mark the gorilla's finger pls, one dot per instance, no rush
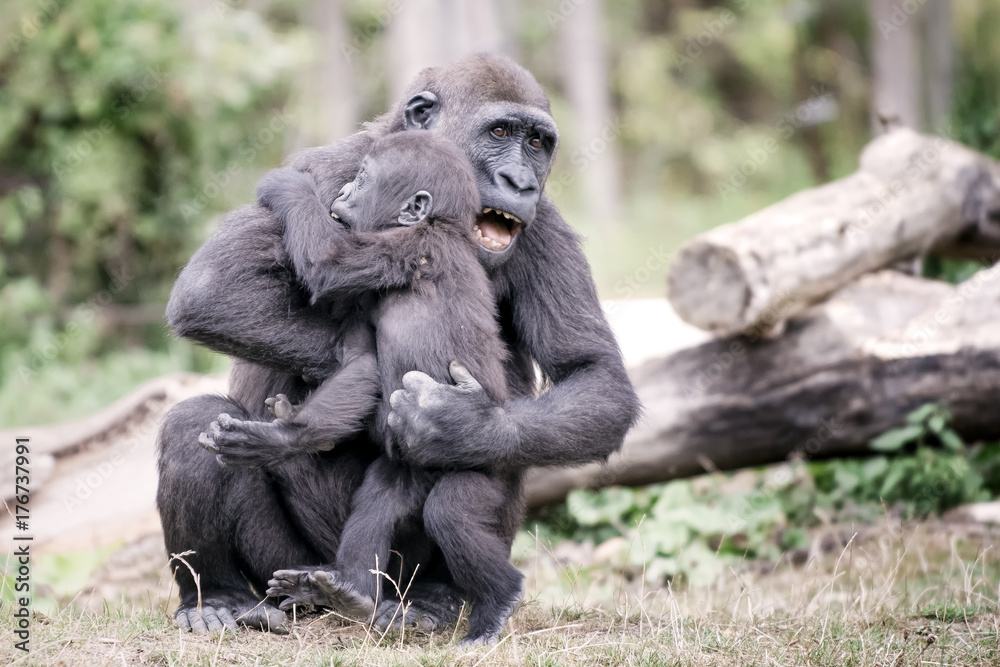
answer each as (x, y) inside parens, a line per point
(397, 397)
(211, 619)
(417, 381)
(181, 619)
(225, 421)
(221, 460)
(226, 617)
(269, 402)
(395, 422)
(196, 621)
(208, 443)
(283, 407)
(461, 375)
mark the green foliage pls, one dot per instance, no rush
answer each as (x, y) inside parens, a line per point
(949, 270)
(123, 128)
(687, 528)
(939, 472)
(928, 421)
(695, 528)
(976, 102)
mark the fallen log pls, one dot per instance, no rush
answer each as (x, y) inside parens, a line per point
(910, 194)
(844, 372)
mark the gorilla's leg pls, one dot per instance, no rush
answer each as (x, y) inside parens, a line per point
(389, 496)
(468, 515)
(232, 520)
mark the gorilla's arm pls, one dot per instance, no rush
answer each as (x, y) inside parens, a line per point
(239, 294)
(370, 261)
(557, 319)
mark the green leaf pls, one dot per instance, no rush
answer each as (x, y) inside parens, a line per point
(607, 505)
(660, 568)
(951, 440)
(660, 537)
(847, 477)
(675, 495)
(891, 480)
(921, 414)
(897, 438)
(874, 468)
(700, 564)
(937, 423)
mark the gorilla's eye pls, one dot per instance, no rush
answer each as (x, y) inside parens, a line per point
(499, 132)
(535, 141)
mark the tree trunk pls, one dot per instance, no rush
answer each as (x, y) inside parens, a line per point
(430, 33)
(583, 54)
(940, 63)
(328, 101)
(843, 373)
(911, 193)
(895, 64)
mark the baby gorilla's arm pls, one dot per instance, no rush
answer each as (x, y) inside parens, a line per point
(331, 260)
(369, 261)
(337, 410)
(310, 234)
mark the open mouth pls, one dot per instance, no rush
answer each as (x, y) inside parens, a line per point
(495, 229)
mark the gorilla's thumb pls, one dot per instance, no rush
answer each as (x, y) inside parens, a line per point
(461, 375)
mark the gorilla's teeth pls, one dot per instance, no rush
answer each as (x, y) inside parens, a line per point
(487, 210)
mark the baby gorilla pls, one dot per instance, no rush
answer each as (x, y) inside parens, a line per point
(404, 231)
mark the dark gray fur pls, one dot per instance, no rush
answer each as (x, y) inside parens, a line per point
(241, 295)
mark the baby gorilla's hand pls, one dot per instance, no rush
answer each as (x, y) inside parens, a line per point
(249, 444)
(281, 189)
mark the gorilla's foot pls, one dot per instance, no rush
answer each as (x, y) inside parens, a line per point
(248, 443)
(230, 611)
(487, 621)
(424, 614)
(320, 588)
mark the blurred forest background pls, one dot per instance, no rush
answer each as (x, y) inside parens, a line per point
(128, 127)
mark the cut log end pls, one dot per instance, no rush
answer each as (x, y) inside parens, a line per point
(708, 288)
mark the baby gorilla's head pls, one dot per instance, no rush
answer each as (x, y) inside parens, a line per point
(406, 178)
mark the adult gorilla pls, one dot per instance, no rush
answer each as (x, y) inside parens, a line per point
(239, 296)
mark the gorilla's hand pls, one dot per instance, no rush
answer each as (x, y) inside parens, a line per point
(251, 444)
(445, 426)
(280, 189)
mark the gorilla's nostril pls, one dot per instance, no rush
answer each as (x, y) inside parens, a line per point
(522, 181)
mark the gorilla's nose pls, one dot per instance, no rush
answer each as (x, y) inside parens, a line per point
(518, 180)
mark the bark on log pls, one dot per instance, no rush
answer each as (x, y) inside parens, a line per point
(49, 443)
(911, 193)
(844, 372)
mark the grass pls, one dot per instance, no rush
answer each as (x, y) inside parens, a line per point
(898, 595)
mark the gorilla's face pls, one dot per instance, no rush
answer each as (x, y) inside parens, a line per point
(511, 147)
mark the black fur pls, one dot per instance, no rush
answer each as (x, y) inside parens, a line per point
(435, 307)
(240, 295)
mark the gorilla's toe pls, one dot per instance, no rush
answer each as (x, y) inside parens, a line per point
(230, 613)
(393, 615)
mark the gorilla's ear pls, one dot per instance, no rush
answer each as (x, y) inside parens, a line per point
(421, 111)
(416, 208)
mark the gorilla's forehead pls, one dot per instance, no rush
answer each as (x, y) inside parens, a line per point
(512, 113)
